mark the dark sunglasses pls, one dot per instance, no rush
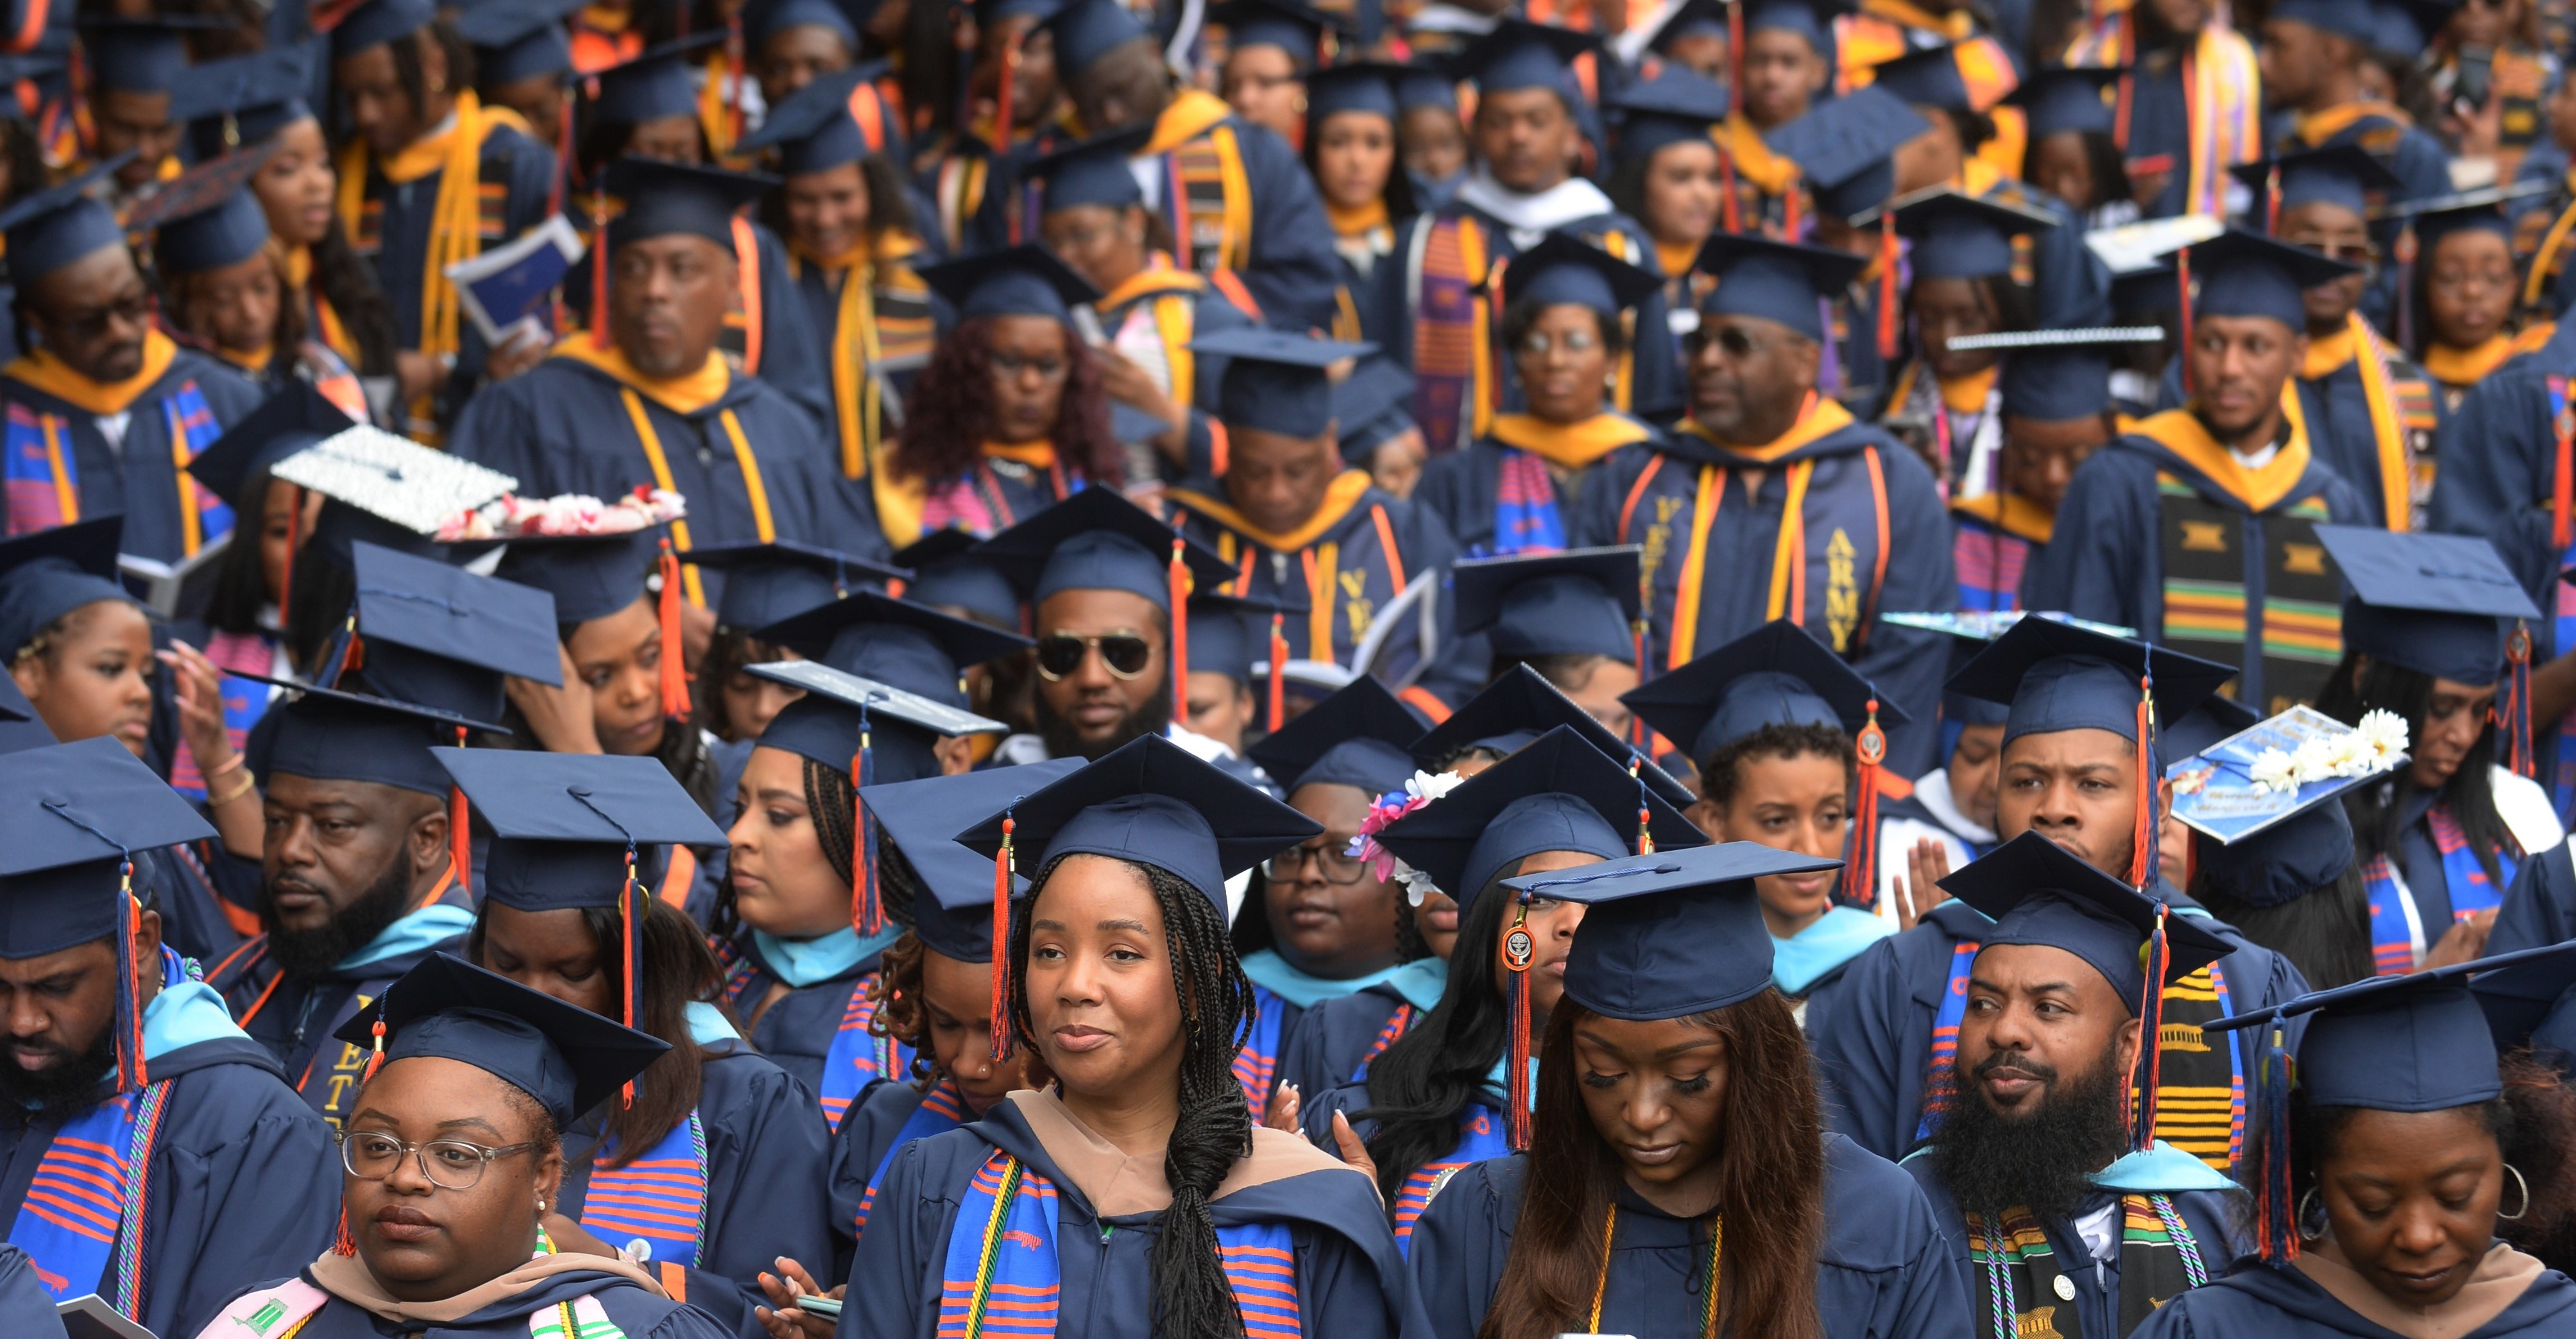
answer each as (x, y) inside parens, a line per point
(1061, 653)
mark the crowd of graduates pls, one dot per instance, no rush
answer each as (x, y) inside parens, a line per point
(1436, 669)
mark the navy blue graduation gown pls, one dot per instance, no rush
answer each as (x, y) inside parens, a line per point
(25, 1310)
(2496, 450)
(142, 478)
(1353, 523)
(767, 1148)
(244, 1181)
(1872, 1026)
(2281, 1303)
(2344, 435)
(1462, 487)
(796, 1033)
(564, 426)
(294, 1017)
(1877, 541)
(1350, 1282)
(635, 1311)
(1336, 1037)
(2540, 905)
(1883, 1270)
(868, 1136)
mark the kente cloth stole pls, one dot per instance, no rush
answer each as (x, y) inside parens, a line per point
(1002, 1276)
(656, 1206)
(858, 1058)
(88, 1201)
(1990, 564)
(2397, 932)
(43, 468)
(1526, 516)
(1256, 1066)
(942, 1109)
(1206, 181)
(2200, 1108)
(1452, 360)
(975, 501)
(244, 701)
(1481, 1136)
(2215, 558)
(2017, 1266)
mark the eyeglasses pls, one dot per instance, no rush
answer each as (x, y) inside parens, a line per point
(2359, 252)
(1537, 343)
(450, 1164)
(1732, 342)
(1062, 653)
(1012, 364)
(1338, 868)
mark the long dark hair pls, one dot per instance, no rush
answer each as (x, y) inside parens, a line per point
(950, 412)
(1771, 1177)
(241, 583)
(318, 597)
(348, 283)
(1421, 1082)
(1396, 194)
(1192, 1299)
(2543, 1148)
(889, 202)
(2103, 159)
(678, 969)
(2377, 810)
(2325, 934)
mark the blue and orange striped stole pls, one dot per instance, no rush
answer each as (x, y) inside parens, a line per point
(1480, 1137)
(942, 1109)
(1256, 1065)
(2393, 913)
(655, 1206)
(859, 1058)
(1397, 1024)
(73, 1219)
(1002, 1276)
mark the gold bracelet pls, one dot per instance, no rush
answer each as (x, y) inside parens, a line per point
(245, 788)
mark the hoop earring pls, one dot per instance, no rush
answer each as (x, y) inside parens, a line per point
(2516, 1215)
(2306, 1202)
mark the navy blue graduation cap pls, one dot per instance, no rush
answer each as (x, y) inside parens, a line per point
(2436, 604)
(873, 730)
(1674, 107)
(327, 734)
(2341, 174)
(953, 914)
(2345, 18)
(20, 728)
(2057, 376)
(812, 128)
(1564, 268)
(2473, 211)
(1086, 30)
(1024, 280)
(1426, 86)
(141, 55)
(1810, 19)
(376, 22)
(515, 42)
(589, 576)
(566, 1057)
(1927, 77)
(1276, 381)
(1371, 405)
(1845, 148)
(1289, 25)
(769, 583)
(228, 232)
(665, 198)
(1228, 634)
(947, 573)
(2247, 274)
(2210, 722)
(1361, 86)
(1098, 540)
(2529, 1002)
(443, 637)
(1516, 54)
(1777, 674)
(1512, 712)
(71, 818)
(653, 86)
(771, 17)
(1692, 18)
(46, 574)
(1958, 236)
(283, 424)
(61, 224)
(2292, 858)
(1669, 934)
(242, 100)
(1094, 171)
(1578, 602)
(2069, 99)
(900, 642)
(1357, 737)
(1776, 281)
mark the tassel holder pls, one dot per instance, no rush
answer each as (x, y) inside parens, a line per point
(1518, 949)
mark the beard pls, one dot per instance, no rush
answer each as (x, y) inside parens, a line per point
(2042, 1160)
(314, 952)
(72, 1081)
(1063, 741)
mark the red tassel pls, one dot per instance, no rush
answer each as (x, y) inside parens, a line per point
(867, 912)
(675, 660)
(2139, 874)
(2272, 201)
(1887, 301)
(1002, 96)
(342, 1244)
(1278, 671)
(1727, 215)
(598, 263)
(1001, 1021)
(460, 833)
(132, 1072)
(1734, 73)
(1517, 950)
(2182, 276)
(630, 929)
(1860, 849)
(2562, 488)
(1180, 623)
(375, 1058)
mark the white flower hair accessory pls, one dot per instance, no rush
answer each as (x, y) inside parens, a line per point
(2369, 747)
(513, 517)
(1422, 789)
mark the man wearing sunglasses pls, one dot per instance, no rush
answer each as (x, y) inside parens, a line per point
(1762, 449)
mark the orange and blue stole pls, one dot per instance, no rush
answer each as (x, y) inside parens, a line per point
(658, 1201)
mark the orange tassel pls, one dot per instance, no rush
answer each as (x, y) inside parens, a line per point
(1001, 1020)
(599, 264)
(675, 660)
(2562, 488)
(460, 832)
(2182, 276)
(1180, 624)
(1887, 257)
(1860, 866)
(1278, 671)
(1517, 951)
(1002, 95)
(2272, 201)
(342, 1244)
(2139, 874)
(629, 930)
(1727, 216)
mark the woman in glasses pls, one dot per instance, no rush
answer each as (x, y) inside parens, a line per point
(1136, 1196)
(451, 1217)
(1011, 415)
(1566, 325)
(1321, 924)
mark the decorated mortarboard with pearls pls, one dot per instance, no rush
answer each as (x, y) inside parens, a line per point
(1275, 381)
(2067, 99)
(1024, 280)
(1559, 793)
(375, 22)
(1775, 281)
(243, 99)
(563, 1055)
(2253, 779)
(1371, 405)
(1669, 934)
(1564, 268)
(661, 199)
(1357, 737)
(2356, 19)
(1778, 674)
(46, 574)
(1094, 171)
(386, 490)
(844, 716)
(812, 128)
(2436, 604)
(2057, 676)
(1575, 602)
(294, 418)
(1098, 540)
(768, 583)
(1513, 711)
(2056, 376)
(2339, 174)
(1674, 107)
(519, 41)
(1845, 148)
(1518, 54)
(61, 224)
(903, 643)
(1289, 25)
(1086, 30)
(2200, 729)
(1361, 86)
(1958, 236)
(948, 573)
(444, 637)
(141, 55)
(953, 905)
(1966, 76)
(2247, 274)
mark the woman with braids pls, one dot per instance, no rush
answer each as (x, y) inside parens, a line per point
(802, 927)
(1136, 1196)
(1010, 416)
(1440, 1096)
(1947, 402)
(711, 1166)
(1676, 1101)
(452, 1214)
(2379, 1201)
(2439, 840)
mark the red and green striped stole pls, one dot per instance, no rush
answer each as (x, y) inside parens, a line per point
(2213, 555)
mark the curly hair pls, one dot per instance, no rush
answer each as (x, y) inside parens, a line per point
(1717, 775)
(949, 415)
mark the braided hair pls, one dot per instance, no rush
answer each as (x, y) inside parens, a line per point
(1192, 1299)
